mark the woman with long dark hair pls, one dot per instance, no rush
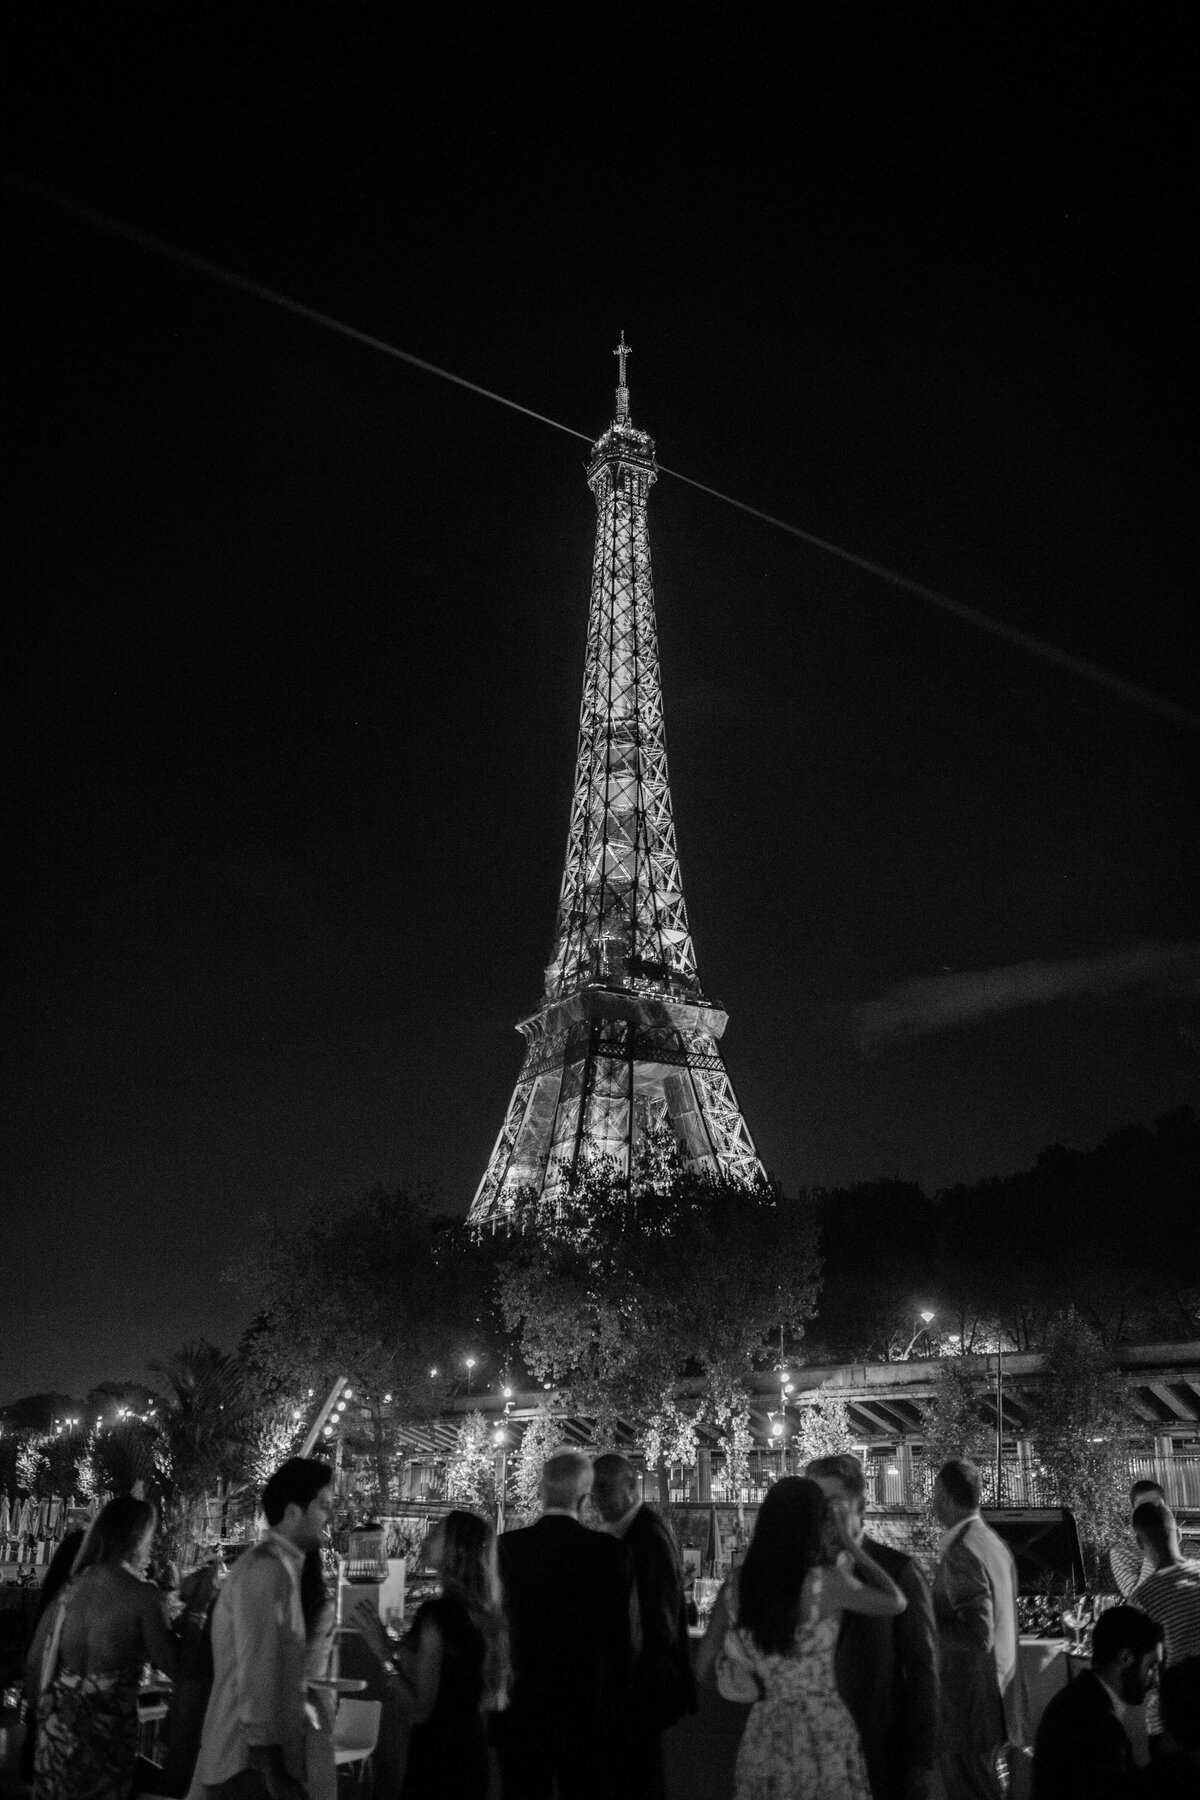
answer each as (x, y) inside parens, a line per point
(86, 1659)
(776, 1625)
(453, 1667)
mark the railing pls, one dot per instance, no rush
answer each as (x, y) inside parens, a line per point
(1022, 1483)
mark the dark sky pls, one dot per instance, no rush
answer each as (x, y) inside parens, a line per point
(295, 633)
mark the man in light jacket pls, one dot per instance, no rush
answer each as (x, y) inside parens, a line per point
(984, 1705)
(253, 1743)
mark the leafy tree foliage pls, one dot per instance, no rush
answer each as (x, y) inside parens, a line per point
(380, 1291)
(539, 1441)
(954, 1424)
(1082, 1430)
(471, 1469)
(618, 1289)
(824, 1428)
(1113, 1233)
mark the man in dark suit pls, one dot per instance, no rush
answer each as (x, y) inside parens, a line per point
(1082, 1750)
(664, 1687)
(887, 1669)
(574, 1636)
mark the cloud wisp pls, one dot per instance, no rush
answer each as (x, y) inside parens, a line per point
(940, 1002)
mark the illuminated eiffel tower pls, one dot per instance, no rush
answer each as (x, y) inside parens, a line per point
(625, 1038)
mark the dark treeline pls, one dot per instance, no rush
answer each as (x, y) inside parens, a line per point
(1113, 1232)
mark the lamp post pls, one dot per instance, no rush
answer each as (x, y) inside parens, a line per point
(919, 1328)
(470, 1366)
(999, 1418)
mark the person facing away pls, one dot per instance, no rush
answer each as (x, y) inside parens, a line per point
(575, 1637)
(254, 1740)
(1126, 1559)
(663, 1686)
(193, 1682)
(781, 1613)
(886, 1668)
(85, 1662)
(983, 1705)
(1170, 1594)
(58, 1573)
(453, 1667)
(1082, 1750)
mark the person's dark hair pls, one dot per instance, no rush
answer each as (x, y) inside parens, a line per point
(1179, 1701)
(314, 1594)
(785, 1546)
(115, 1532)
(58, 1570)
(846, 1469)
(1123, 1628)
(1153, 1519)
(469, 1568)
(297, 1482)
(1145, 1489)
(961, 1480)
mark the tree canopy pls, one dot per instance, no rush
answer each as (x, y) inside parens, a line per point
(618, 1289)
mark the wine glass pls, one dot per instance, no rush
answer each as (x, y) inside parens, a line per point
(1076, 1614)
(704, 1591)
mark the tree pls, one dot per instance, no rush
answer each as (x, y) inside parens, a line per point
(618, 1288)
(824, 1428)
(379, 1291)
(1082, 1430)
(539, 1441)
(954, 1424)
(471, 1469)
(202, 1415)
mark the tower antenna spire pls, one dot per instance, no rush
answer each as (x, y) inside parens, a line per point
(621, 352)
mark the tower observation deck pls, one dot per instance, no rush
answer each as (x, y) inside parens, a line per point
(625, 1038)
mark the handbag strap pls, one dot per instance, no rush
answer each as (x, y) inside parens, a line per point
(50, 1654)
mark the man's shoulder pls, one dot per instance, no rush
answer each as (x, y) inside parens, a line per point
(1168, 1586)
(893, 1562)
(259, 1566)
(649, 1526)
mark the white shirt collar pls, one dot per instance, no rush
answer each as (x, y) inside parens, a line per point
(293, 1556)
(953, 1532)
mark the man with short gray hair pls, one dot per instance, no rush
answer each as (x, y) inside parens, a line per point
(573, 1630)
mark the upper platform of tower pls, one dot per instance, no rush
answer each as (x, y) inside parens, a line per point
(623, 442)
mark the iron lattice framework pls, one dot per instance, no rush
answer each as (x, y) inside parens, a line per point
(624, 1038)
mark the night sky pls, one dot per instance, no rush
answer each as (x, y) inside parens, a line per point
(295, 632)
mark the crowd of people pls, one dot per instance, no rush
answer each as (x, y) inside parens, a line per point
(552, 1661)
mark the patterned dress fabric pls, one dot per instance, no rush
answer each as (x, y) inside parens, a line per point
(800, 1742)
(87, 1739)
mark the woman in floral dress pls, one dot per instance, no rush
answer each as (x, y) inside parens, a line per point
(776, 1620)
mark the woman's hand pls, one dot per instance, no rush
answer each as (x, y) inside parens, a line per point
(366, 1617)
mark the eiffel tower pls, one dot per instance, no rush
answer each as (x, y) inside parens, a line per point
(625, 1039)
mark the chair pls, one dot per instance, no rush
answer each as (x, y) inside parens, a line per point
(356, 1733)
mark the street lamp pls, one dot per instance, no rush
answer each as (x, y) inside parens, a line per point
(921, 1326)
(470, 1366)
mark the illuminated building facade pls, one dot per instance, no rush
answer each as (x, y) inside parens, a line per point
(625, 1038)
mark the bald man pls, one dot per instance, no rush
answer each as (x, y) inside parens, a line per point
(573, 1628)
